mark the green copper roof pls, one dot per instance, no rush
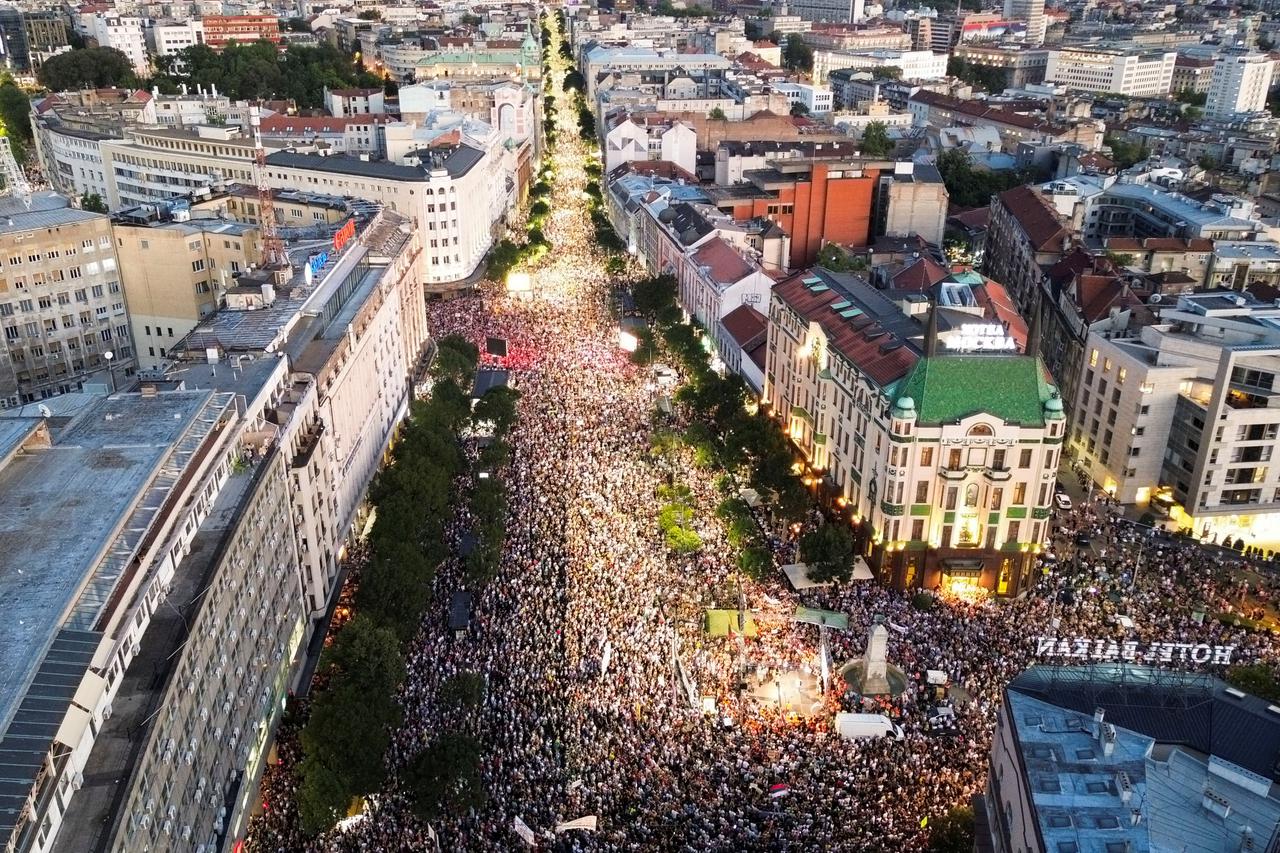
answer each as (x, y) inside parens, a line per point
(946, 388)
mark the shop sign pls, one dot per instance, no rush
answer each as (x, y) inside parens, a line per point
(981, 337)
(344, 235)
(1131, 651)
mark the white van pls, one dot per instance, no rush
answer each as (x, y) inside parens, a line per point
(854, 726)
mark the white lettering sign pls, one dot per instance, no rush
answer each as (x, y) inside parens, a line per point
(981, 337)
(1130, 651)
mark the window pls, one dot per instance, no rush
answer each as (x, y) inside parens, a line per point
(197, 265)
(1024, 458)
(1093, 359)
(926, 456)
(922, 492)
(917, 530)
(997, 498)
(1019, 493)
(953, 458)
(951, 494)
(1015, 528)
(971, 495)
(980, 430)
(997, 459)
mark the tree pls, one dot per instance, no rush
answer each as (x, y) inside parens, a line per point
(654, 294)
(498, 406)
(87, 68)
(464, 690)
(1120, 260)
(574, 81)
(828, 551)
(983, 76)
(1187, 96)
(875, 140)
(456, 359)
(349, 729)
(797, 55)
(799, 108)
(15, 118)
(445, 777)
(952, 832)
(1258, 679)
(93, 203)
(1124, 153)
(717, 114)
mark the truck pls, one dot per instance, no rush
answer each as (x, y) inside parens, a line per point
(854, 726)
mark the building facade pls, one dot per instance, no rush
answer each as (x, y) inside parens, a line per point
(62, 307)
(1134, 73)
(949, 483)
(1240, 83)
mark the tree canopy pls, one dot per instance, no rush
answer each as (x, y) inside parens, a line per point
(983, 76)
(828, 551)
(875, 139)
(260, 70)
(87, 68)
(969, 187)
(797, 55)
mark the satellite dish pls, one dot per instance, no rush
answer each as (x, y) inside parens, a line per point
(1155, 299)
(44, 410)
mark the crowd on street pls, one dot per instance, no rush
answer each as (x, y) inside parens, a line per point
(584, 712)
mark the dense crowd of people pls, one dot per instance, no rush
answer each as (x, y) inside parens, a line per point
(585, 711)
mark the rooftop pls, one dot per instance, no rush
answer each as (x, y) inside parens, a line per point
(948, 388)
(48, 210)
(457, 162)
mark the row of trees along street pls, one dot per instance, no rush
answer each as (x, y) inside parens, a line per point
(354, 706)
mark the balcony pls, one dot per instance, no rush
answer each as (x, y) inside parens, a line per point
(998, 475)
(953, 473)
(310, 440)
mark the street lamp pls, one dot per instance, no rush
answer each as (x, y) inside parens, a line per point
(108, 355)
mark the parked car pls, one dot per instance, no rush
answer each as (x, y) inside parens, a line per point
(1062, 502)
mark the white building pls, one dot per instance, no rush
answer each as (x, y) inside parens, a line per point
(830, 11)
(1133, 73)
(455, 195)
(637, 139)
(817, 100)
(126, 34)
(1186, 416)
(914, 64)
(1030, 11)
(173, 37)
(1239, 84)
(354, 102)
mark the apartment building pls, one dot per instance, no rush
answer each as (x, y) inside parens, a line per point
(222, 30)
(1141, 210)
(1240, 83)
(152, 164)
(62, 308)
(170, 38)
(1132, 72)
(911, 64)
(829, 11)
(943, 456)
(125, 33)
(1022, 65)
(354, 102)
(239, 477)
(176, 270)
(1192, 74)
(816, 100)
(1184, 416)
(650, 136)
(1026, 235)
(457, 194)
(1032, 13)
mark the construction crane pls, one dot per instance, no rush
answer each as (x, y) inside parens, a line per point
(273, 254)
(15, 180)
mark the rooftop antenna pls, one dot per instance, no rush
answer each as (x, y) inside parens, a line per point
(273, 255)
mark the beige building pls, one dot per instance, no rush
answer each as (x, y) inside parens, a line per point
(152, 163)
(917, 201)
(62, 308)
(174, 273)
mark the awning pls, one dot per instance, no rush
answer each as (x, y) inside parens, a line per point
(798, 575)
(721, 622)
(861, 571)
(822, 618)
(962, 568)
(751, 496)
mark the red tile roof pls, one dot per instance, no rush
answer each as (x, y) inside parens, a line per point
(1001, 308)
(723, 262)
(1043, 227)
(977, 110)
(745, 324)
(919, 276)
(653, 168)
(849, 337)
(1096, 294)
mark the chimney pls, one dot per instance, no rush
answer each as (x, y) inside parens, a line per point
(268, 293)
(931, 332)
(1108, 739)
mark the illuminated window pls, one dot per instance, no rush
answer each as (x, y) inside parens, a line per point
(1093, 359)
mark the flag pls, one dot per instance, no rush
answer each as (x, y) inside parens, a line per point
(924, 821)
(588, 823)
(522, 829)
(779, 790)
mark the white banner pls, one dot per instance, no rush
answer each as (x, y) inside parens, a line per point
(525, 833)
(588, 822)
(606, 657)
(1131, 651)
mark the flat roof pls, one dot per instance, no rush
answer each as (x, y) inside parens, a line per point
(60, 510)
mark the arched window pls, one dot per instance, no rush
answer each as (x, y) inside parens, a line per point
(971, 495)
(980, 430)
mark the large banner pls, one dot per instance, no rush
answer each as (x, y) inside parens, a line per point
(1131, 651)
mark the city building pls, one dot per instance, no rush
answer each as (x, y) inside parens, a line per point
(1133, 72)
(169, 38)
(1141, 210)
(934, 109)
(741, 341)
(13, 39)
(457, 194)
(125, 33)
(1240, 83)
(1124, 756)
(1025, 236)
(1192, 74)
(1022, 65)
(222, 30)
(1032, 13)
(61, 304)
(602, 60)
(860, 37)
(816, 100)
(175, 612)
(356, 134)
(480, 60)
(1188, 404)
(944, 458)
(649, 136)
(154, 163)
(354, 102)
(176, 269)
(829, 11)
(912, 64)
